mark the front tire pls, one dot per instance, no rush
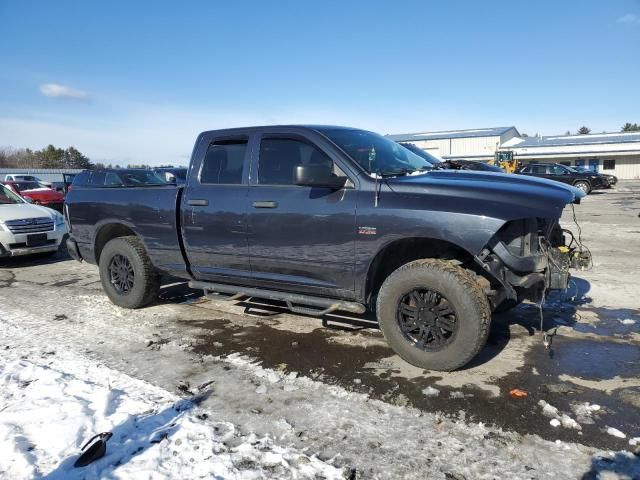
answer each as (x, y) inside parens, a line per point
(433, 314)
(127, 274)
(584, 186)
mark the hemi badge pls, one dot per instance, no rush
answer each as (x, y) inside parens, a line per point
(367, 231)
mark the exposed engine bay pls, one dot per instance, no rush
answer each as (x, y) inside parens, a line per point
(530, 256)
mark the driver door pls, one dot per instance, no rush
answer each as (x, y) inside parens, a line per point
(300, 238)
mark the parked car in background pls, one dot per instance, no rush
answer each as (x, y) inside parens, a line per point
(18, 177)
(117, 177)
(469, 165)
(30, 190)
(439, 163)
(27, 229)
(177, 176)
(585, 181)
(332, 218)
(611, 179)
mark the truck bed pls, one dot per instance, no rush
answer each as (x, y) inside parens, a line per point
(150, 212)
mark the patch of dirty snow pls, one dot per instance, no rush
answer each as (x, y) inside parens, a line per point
(549, 410)
(431, 392)
(558, 418)
(627, 321)
(585, 411)
(53, 402)
(615, 432)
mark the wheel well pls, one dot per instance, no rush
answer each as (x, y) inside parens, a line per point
(407, 250)
(108, 233)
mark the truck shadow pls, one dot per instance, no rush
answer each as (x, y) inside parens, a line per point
(131, 438)
(621, 465)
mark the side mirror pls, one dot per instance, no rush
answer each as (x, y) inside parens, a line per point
(318, 176)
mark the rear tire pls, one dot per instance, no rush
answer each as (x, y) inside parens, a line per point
(127, 274)
(584, 186)
(441, 299)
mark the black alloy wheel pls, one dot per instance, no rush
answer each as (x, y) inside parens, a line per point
(427, 319)
(121, 274)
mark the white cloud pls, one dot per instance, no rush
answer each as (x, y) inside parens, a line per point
(629, 19)
(62, 91)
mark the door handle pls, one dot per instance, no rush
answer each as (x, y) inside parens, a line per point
(265, 204)
(197, 203)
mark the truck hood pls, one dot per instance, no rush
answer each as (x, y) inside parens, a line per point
(500, 195)
(21, 211)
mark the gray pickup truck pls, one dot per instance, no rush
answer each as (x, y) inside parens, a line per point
(331, 218)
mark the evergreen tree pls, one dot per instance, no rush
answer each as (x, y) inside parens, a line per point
(584, 131)
(630, 127)
(75, 159)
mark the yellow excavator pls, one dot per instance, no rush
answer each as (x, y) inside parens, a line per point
(505, 161)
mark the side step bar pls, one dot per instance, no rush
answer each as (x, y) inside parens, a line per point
(323, 305)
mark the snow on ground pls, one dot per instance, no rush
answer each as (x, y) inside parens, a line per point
(51, 403)
(55, 393)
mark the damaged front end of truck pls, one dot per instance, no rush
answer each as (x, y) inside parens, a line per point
(527, 257)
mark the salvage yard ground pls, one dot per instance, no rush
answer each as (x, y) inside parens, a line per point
(245, 389)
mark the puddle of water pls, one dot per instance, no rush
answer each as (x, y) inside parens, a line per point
(618, 322)
(362, 368)
(595, 360)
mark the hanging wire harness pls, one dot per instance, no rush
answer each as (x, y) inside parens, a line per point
(574, 255)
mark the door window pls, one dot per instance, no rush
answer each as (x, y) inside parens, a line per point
(556, 170)
(280, 156)
(111, 179)
(224, 162)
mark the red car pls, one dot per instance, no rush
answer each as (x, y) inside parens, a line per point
(44, 196)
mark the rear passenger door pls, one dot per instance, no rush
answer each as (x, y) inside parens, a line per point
(559, 174)
(214, 210)
(300, 238)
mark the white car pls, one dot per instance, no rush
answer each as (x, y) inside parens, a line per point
(26, 229)
(18, 177)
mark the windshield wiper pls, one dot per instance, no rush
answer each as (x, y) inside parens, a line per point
(395, 173)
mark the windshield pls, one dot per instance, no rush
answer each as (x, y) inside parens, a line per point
(377, 154)
(7, 197)
(421, 153)
(133, 178)
(22, 186)
(178, 174)
(581, 169)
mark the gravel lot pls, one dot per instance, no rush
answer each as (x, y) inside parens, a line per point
(332, 388)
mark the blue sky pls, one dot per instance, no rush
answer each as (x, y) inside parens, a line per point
(129, 82)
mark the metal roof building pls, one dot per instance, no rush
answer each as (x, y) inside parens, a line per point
(473, 144)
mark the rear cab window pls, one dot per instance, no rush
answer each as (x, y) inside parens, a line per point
(223, 164)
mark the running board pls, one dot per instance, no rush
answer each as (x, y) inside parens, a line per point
(323, 305)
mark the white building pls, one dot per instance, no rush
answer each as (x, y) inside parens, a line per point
(477, 144)
(614, 153)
